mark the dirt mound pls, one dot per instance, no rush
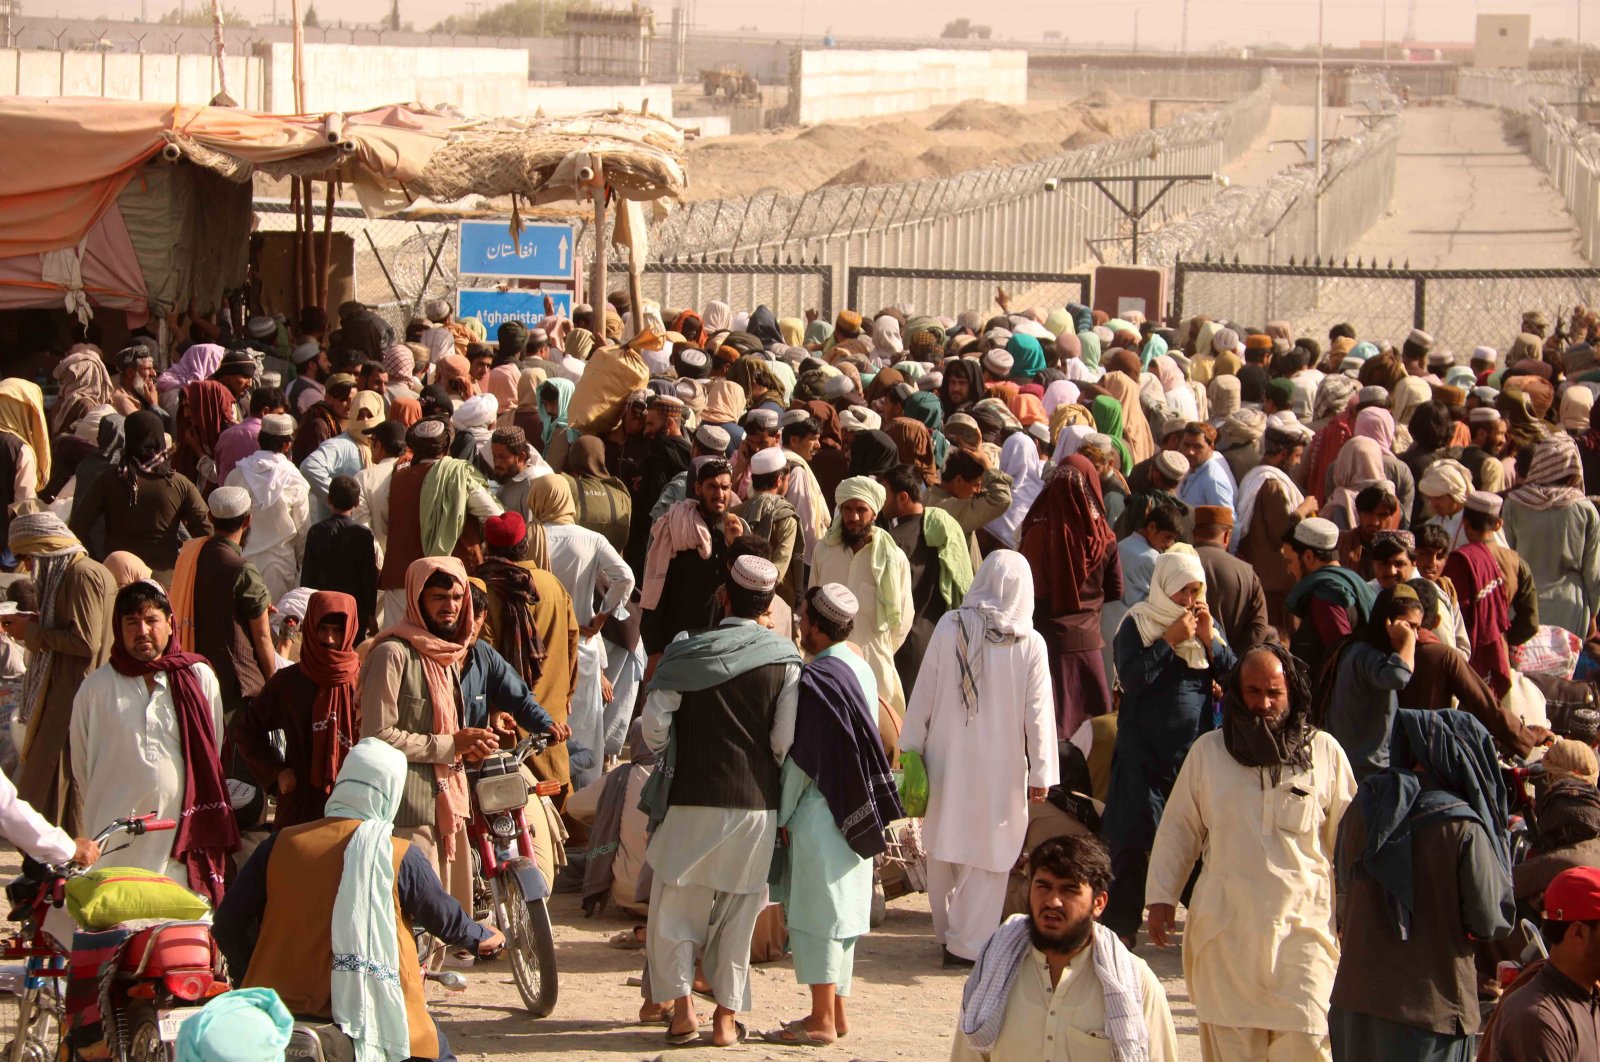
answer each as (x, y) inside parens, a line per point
(878, 170)
(979, 116)
(1100, 98)
(1084, 138)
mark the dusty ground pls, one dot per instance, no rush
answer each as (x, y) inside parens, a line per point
(904, 1005)
(933, 143)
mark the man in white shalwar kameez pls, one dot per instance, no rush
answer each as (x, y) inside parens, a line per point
(866, 559)
(280, 507)
(1261, 799)
(587, 566)
(721, 712)
(127, 752)
(983, 718)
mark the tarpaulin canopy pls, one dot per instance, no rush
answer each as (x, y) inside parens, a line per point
(89, 148)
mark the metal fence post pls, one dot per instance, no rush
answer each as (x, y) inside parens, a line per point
(1419, 310)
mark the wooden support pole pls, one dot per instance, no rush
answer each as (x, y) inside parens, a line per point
(602, 235)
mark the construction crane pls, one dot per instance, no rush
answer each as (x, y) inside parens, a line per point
(1411, 22)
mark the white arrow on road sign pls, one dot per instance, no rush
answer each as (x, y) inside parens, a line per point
(563, 249)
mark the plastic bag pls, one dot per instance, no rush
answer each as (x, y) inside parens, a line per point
(913, 784)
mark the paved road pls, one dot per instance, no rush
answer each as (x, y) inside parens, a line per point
(1467, 198)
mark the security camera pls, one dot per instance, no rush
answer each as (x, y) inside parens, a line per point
(1051, 184)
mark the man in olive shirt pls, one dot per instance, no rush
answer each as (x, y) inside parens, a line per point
(1553, 1013)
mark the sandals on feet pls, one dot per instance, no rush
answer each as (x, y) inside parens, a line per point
(794, 1034)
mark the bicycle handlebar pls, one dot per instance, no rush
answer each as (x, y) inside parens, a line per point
(136, 825)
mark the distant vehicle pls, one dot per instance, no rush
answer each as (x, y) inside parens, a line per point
(732, 81)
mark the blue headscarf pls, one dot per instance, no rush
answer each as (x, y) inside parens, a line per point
(1153, 348)
(1027, 357)
(1441, 765)
(245, 1025)
(563, 389)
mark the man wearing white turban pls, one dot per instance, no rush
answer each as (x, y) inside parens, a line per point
(866, 560)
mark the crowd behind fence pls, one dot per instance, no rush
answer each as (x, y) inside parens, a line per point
(1462, 309)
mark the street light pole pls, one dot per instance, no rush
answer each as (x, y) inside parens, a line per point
(1316, 144)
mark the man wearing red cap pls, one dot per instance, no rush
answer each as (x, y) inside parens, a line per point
(532, 624)
(1552, 1012)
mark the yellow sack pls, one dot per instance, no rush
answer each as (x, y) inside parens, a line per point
(110, 896)
(611, 375)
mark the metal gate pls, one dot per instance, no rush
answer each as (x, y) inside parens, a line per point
(1461, 308)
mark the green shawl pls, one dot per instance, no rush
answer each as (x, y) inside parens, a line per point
(1338, 585)
(1107, 413)
(444, 504)
(944, 534)
(699, 662)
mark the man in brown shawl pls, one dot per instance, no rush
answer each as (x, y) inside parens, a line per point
(69, 638)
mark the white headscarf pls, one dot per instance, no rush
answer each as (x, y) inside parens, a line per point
(718, 317)
(886, 344)
(1019, 459)
(1175, 569)
(1060, 393)
(368, 1003)
(998, 608)
(440, 341)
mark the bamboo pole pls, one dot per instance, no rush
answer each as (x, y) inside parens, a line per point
(299, 55)
(325, 258)
(299, 288)
(597, 269)
(309, 226)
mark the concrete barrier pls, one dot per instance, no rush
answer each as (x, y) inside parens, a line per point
(351, 77)
(833, 85)
(156, 78)
(575, 99)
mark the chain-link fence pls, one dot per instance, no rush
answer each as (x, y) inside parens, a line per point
(788, 288)
(1462, 309)
(944, 291)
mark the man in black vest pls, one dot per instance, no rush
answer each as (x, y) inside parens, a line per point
(721, 710)
(231, 628)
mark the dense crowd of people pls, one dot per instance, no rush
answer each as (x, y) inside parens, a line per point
(1208, 615)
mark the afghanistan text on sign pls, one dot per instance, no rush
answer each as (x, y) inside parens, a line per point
(542, 252)
(494, 308)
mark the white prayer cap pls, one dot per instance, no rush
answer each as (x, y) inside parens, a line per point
(838, 386)
(761, 420)
(1172, 464)
(305, 352)
(1286, 422)
(755, 573)
(1481, 501)
(835, 603)
(280, 425)
(1372, 395)
(1485, 394)
(1317, 533)
(711, 437)
(1039, 430)
(1485, 354)
(1483, 415)
(930, 381)
(1419, 338)
(270, 379)
(1099, 441)
(478, 411)
(695, 359)
(999, 362)
(860, 418)
(794, 416)
(228, 503)
(765, 462)
(427, 429)
(261, 327)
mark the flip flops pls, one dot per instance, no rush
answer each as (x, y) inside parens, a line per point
(740, 1035)
(794, 1034)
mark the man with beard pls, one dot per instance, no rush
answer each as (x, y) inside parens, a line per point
(866, 559)
(515, 466)
(1055, 980)
(936, 550)
(687, 558)
(665, 454)
(410, 697)
(1259, 950)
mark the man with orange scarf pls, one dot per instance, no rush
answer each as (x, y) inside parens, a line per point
(410, 693)
(315, 741)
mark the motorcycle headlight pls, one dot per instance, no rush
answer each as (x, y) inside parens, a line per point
(504, 827)
(501, 793)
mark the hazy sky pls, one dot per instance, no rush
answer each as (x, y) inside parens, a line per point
(1229, 22)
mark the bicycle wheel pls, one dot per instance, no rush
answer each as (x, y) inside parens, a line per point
(532, 947)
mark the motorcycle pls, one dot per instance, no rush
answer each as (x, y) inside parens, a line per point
(507, 883)
(317, 1041)
(163, 975)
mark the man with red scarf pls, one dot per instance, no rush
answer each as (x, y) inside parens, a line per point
(1475, 573)
(314, 704)
(145, 732)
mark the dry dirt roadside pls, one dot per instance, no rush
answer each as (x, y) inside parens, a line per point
(904, 1005)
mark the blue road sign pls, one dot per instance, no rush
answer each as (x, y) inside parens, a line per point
(542, 252)
(495, 308)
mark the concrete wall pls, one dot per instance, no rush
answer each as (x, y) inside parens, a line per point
(121, 76)
(834, 85)
(346, 77)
